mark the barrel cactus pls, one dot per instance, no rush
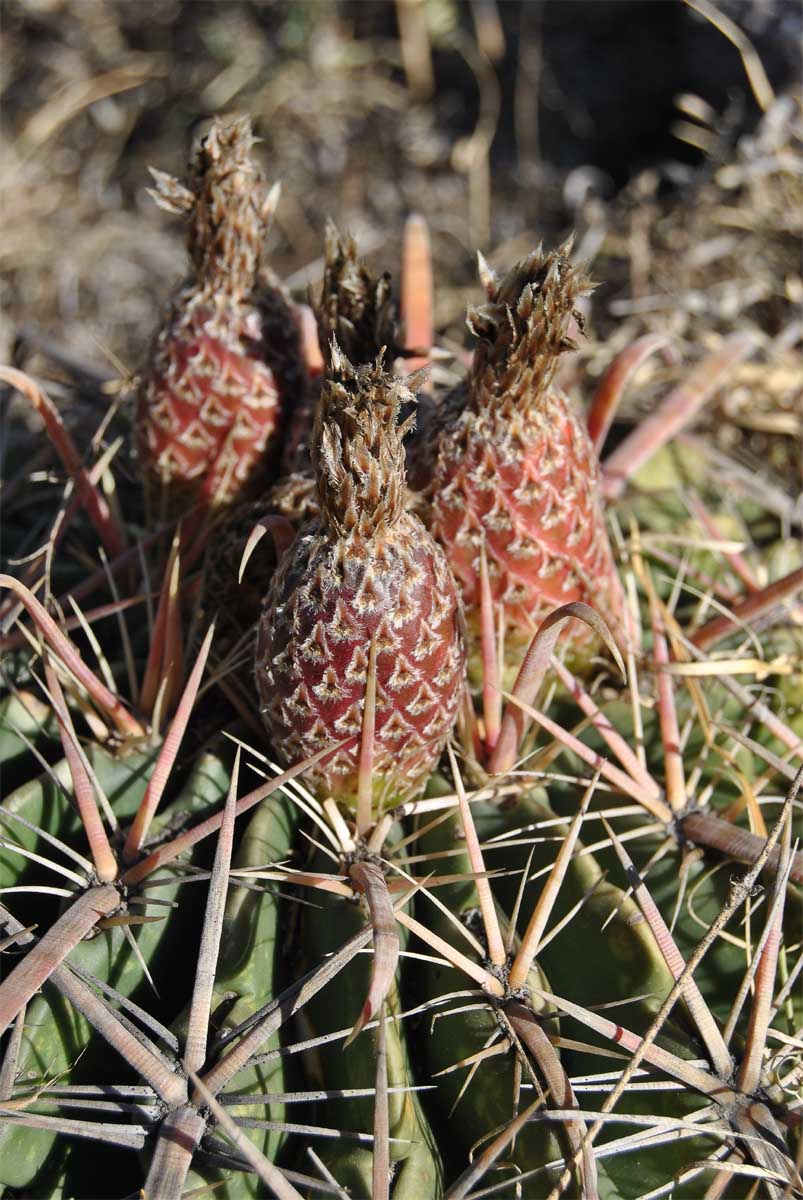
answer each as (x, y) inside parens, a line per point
(528, 933)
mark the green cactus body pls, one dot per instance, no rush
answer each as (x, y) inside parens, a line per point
(65, 1047)
(625, 962)
(23, 719)
(488, 1102)
(606, 954)
(246, 980)
(415, 1160)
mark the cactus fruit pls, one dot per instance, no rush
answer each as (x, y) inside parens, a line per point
(355, 309)
(228, 351)
(515, 471)
(363, 582)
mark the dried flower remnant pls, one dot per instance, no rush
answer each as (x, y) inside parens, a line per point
(229, 348)
(355, 308)
(364, 581)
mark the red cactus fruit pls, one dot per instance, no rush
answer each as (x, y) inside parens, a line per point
(515, 470)
(363, 577)
(229, 347)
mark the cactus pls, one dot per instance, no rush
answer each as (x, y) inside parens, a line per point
(543, 944)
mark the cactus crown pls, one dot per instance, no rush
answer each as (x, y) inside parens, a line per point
(227, 207)
(523, 326)
(358, 455)
(355, 307)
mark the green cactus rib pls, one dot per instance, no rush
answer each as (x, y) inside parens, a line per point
(445, 1040)
(606, 953)
(245, 981)
(23, 719)
(415, 1161)
(65, 1048)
